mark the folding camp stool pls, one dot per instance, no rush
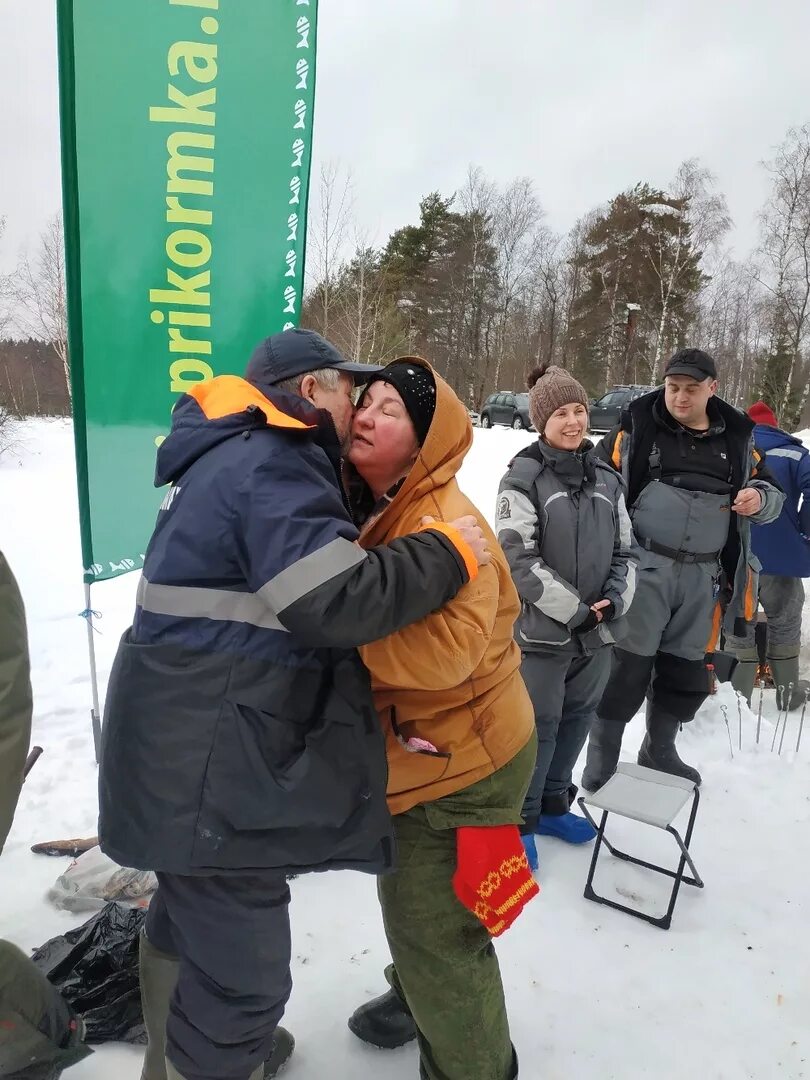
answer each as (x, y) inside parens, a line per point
(654, 798)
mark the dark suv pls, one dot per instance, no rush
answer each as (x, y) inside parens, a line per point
(507, 408)
(606, 411)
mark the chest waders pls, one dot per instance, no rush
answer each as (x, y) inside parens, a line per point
(681, 534)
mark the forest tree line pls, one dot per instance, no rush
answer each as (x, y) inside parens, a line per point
(485, 289)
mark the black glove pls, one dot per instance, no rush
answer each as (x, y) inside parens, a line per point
(590, 621)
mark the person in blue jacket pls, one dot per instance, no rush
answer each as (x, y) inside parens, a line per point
(240, 740)
(783, 548)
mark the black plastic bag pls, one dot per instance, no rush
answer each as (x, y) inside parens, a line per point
(95, 968)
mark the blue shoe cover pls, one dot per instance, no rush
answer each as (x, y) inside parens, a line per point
(569, 827)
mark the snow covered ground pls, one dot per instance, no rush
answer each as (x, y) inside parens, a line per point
(593, 994)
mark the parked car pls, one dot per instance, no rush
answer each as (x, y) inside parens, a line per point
(606, 410)
(475, 417)
(511, 410)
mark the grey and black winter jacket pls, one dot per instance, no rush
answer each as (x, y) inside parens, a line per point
(563, 524)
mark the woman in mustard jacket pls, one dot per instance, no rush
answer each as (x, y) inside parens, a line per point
(461, 746)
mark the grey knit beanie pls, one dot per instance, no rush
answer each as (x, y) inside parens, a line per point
(550, 388)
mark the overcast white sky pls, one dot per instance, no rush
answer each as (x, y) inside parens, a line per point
(585, 96)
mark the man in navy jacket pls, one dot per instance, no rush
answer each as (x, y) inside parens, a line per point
(783, 548)
(240, 740)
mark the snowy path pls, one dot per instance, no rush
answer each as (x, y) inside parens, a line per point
(592, 993)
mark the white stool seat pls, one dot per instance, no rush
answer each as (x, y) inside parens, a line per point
(645, 795)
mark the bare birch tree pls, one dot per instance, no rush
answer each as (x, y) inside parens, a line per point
(572, 278)
(477, 200)
(5, 292)
(6, 419)
(328, 227)
(729, 325)
(39, 294)
(707, 211)
(369, 326)
(702, 221)
(517, 216)
(785, 254)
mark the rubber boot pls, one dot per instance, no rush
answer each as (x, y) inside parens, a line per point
(385, 1022)
(158, 976)
(785, 670)
(745, 673)
(604, 747)
(658, 748)
(283, 1046)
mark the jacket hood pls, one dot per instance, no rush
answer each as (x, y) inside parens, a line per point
(220, 409)
(765, 436)
(573, 467)
(447, 443)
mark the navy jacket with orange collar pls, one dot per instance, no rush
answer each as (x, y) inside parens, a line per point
(239, 730)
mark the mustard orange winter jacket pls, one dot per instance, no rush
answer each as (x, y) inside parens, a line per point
(453, 678)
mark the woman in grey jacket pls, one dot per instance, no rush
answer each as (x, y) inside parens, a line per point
(563, 524)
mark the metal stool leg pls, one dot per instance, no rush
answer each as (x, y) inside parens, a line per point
(664, 921)
(600, 836)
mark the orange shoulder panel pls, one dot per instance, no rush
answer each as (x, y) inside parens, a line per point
(228, 394)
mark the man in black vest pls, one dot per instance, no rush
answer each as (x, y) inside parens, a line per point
(695, 483)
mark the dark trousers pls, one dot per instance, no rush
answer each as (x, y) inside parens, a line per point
(232, 938)
(565, 689)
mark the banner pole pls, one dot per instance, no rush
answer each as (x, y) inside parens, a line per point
(95, 712)
(70, 203)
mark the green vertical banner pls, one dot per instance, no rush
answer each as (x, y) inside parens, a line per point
(186, 145)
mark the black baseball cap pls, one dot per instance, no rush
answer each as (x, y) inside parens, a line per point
(295, 352)
(692, 362)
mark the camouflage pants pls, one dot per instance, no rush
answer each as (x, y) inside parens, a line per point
(445, 966)
(15, 697)
(39, 1035)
